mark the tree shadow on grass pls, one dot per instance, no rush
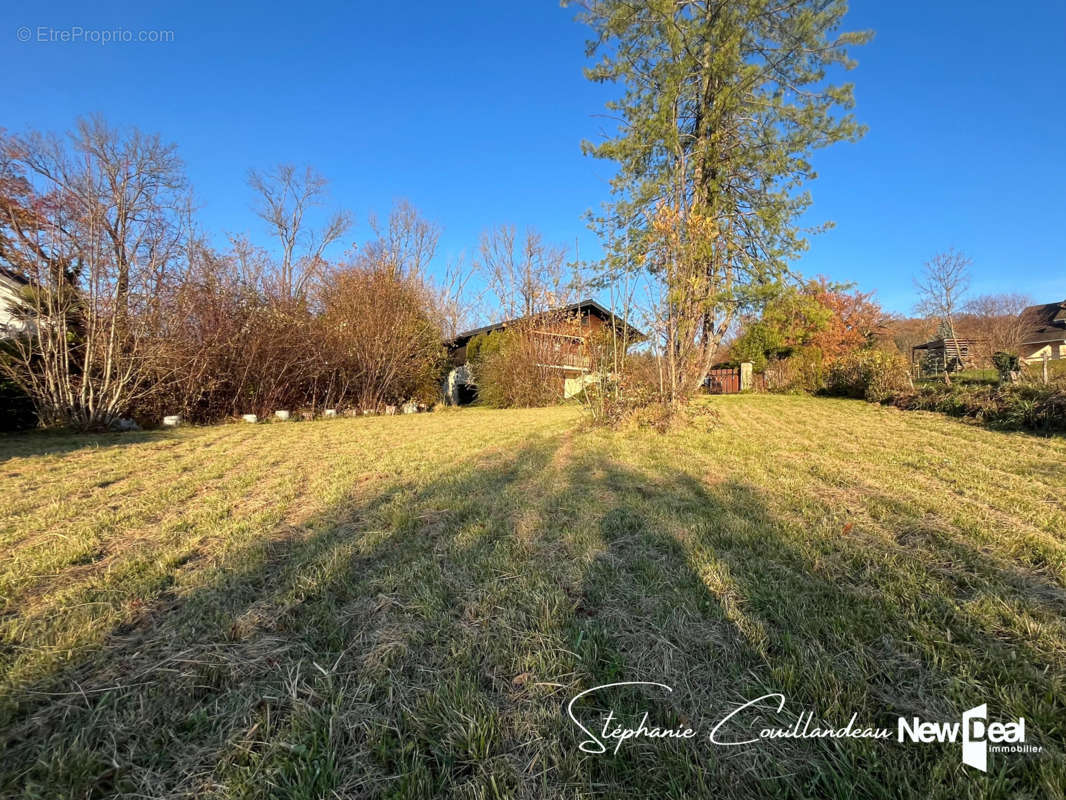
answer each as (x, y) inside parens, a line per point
(57, 443)
(169, 688)
(864, 639)
(423, 639)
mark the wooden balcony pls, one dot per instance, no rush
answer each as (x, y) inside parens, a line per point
(565, 361)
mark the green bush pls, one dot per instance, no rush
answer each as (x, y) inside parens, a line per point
(873, 375)
(1006, 364)
(483, 345)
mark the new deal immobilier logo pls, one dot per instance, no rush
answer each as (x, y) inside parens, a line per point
(977, 735)
(738, 728)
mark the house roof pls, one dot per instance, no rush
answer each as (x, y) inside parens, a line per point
(582, 307)
(1043, 323)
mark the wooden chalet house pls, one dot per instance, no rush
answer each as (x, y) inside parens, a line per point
(561, 339)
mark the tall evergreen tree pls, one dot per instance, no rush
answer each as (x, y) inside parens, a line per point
(723, 103)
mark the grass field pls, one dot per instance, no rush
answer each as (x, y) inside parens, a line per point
(403, 606)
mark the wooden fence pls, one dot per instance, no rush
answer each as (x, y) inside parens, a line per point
(723, 381)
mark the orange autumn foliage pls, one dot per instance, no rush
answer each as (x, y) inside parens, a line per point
(854, 319)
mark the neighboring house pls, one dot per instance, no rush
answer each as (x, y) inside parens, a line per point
(1043, 332)
(562, 336)
(11, 285)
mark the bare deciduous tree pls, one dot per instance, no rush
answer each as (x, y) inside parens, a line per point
(285, 195)
(404, 248)
(526, 275)
(405, 244)
(458, 306)
(941, 288)
(996, 318)
(109, 217)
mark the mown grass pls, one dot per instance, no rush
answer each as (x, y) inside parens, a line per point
(402, 606)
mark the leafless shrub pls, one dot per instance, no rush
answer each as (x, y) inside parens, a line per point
(875, 375)
(366, 337)
(230, 345)
(380, 342)
(403, 247)
(126, 312)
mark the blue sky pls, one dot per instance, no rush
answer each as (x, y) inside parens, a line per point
(475, 112)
